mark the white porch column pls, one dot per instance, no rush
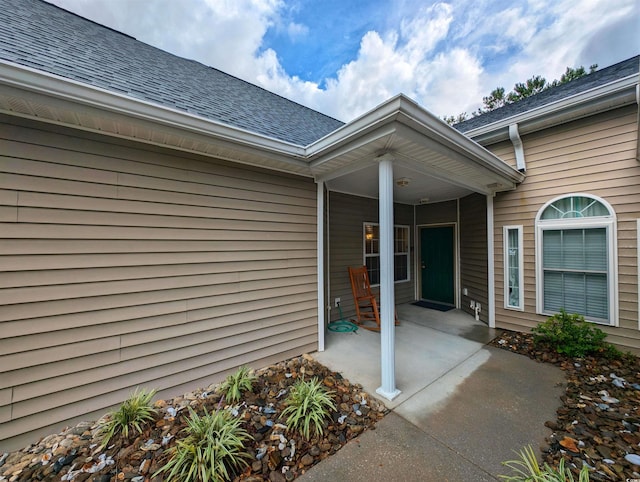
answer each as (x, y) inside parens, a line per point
(387, 296)
(491, 262)
(320, 263)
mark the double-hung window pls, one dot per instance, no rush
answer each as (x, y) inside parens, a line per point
(400, 252)
(576, 258)
(513, 272)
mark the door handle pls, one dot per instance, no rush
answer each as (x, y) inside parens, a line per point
(424, 266)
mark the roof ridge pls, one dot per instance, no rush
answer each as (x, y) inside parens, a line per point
(89, 20)
(551, 94)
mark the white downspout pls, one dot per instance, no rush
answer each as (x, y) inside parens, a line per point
(387, 295)
(320, 263)
(490, 264)
(514, 135)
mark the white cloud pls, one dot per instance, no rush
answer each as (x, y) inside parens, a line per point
(437, 54)
(297, 30)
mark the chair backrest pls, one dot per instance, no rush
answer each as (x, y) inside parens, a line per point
(360, 282)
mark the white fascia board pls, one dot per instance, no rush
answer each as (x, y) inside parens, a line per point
(382, 114)
(614, 94)
(440, 131)
(26, 78)
(405, 111)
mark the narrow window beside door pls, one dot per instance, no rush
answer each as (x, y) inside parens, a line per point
(372, 252)
(513, 272)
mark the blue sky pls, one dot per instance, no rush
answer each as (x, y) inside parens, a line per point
(344, 57)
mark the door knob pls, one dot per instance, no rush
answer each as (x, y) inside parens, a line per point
(423, 266)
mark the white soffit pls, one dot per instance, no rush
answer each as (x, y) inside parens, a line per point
(441, 162)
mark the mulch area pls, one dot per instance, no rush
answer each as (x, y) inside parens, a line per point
(276, 454)
(598, 421)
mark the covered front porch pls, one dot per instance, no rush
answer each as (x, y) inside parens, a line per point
(399, 191)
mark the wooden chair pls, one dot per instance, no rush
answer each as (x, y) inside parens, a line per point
(365, 300)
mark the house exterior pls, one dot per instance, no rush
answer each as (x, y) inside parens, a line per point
(162, 222)
(569, 232)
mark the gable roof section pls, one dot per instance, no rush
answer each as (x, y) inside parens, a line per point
(601, 90)
(46, 38)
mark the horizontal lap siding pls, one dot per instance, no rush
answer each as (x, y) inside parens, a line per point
(597, 156)
(125, 266)
(473, 254)
(347, 214)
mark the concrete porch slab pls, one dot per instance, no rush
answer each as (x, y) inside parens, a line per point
(429, 344)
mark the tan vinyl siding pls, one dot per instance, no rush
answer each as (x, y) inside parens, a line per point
(437, 213)
(595, 155)
(125, 265)
(347, 214)
(473, 253)
(505, 151)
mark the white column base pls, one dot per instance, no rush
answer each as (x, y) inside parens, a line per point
(388, 395)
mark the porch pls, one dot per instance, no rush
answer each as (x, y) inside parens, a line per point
(434, 352)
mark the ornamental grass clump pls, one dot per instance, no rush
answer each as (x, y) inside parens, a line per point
(130, 418)
(309, 403)
(526, 469)
(571, 335)
(237, 383)
(213, 449)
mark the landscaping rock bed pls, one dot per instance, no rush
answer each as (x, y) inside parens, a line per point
(598, 423)
(276, 454)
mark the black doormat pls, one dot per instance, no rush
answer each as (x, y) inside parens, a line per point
(433, 306)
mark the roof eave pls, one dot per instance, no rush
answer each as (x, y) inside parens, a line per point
(15, 77)
(606, 97)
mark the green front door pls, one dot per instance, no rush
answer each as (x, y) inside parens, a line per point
(437, 264)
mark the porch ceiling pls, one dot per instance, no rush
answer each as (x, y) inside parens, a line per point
(438, 162)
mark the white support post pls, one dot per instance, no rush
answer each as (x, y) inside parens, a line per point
(387, 296)
(491, 264)
(320, 263)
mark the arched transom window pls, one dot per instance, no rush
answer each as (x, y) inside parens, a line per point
(575, 258)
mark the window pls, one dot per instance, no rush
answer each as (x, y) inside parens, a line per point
(576, 258)
(400, 250)
(513, 271)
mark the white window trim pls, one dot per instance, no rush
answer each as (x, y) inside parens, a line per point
(607, 222)
(408, 253)
(505, 238)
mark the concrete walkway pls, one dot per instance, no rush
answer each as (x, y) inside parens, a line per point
(464, 407)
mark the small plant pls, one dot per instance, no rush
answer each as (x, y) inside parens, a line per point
(213, 449)
(130, 417)
(308, 404)
(572, 336)
(527, 470)
(238, 382)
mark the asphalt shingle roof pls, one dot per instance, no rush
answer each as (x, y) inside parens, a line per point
(590, 81)
(42, 36)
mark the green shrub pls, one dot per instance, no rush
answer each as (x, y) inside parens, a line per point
(527, 469)
(572, 336)
(308, 404)
(238, 382)
(213, 449)
(130, 417)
